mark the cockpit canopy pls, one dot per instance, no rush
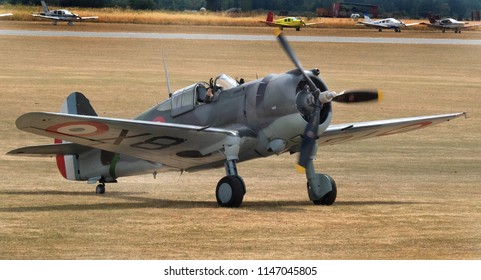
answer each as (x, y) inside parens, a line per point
(224, 82)
(185, 99)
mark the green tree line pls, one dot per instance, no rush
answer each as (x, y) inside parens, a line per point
(404, 8)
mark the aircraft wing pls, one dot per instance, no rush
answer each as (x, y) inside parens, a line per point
(341, 133)
(412, 24)
(471, 25)
(375, 25)
(47, 17)
(5, 15)
(176, 145)
(87, 18)
(312, 23)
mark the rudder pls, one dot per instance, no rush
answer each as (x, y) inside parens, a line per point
(270, 17)
(76, 104)
(44, 6)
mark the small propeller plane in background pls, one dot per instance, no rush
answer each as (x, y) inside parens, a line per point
(448, 23)
(288, 22)
(6, 15)
(210, 125)
(386, 23)
(63, 15)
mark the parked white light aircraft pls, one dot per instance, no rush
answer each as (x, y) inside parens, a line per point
(210, 125)
(63, 15)
(389, 23)
(449, 23)
(5, 15)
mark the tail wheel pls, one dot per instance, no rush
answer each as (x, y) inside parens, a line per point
(330, 197)
(230, 191)
(100, 189)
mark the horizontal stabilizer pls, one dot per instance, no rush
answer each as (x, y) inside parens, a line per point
(50, 150)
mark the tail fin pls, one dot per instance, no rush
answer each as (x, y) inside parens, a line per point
(270, 17)
(432, 18)
(76, 103)
(44, 6)
(367, 18)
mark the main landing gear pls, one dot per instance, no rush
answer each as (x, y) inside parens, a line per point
(231, 189)
(321, 188)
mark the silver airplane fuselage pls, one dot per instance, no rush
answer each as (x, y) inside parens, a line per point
(265, 111)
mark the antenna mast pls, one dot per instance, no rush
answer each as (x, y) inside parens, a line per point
(166, 74)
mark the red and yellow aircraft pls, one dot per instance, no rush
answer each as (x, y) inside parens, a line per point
(289, 22)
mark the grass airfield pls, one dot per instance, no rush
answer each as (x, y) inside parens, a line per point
(406, 196)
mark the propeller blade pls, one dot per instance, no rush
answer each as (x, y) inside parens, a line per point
(290, 53)
(353, 96)
(309, 137)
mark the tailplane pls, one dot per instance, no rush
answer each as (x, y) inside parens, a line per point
(88, 164)
(82, 163)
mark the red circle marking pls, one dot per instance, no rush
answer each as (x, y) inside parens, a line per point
(81, 129)
(159, 119)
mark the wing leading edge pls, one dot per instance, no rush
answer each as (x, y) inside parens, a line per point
(179, 146)
(341, 133)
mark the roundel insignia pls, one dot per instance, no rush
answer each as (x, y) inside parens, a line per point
(159, 119)
(82, 129)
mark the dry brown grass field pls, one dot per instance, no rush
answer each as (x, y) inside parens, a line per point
(406, 196)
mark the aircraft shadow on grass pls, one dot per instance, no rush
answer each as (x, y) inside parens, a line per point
(134, 201)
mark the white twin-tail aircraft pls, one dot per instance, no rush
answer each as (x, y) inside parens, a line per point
(62, 15)
(210, 125)
(386, 23)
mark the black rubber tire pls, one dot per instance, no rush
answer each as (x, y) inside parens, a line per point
(100, 189)
(330, 197)
(230, 191)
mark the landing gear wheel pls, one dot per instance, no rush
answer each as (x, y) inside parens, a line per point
(230, 191)
(100, 189)
(330, 197)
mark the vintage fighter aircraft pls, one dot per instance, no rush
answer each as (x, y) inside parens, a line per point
(288, 22)
(63, 15)
(386, 23)
(448, 23)
(209, 125)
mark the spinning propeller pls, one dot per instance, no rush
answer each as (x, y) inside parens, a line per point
(348, 96)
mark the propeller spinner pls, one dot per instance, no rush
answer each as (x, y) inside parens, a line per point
(309, 137)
